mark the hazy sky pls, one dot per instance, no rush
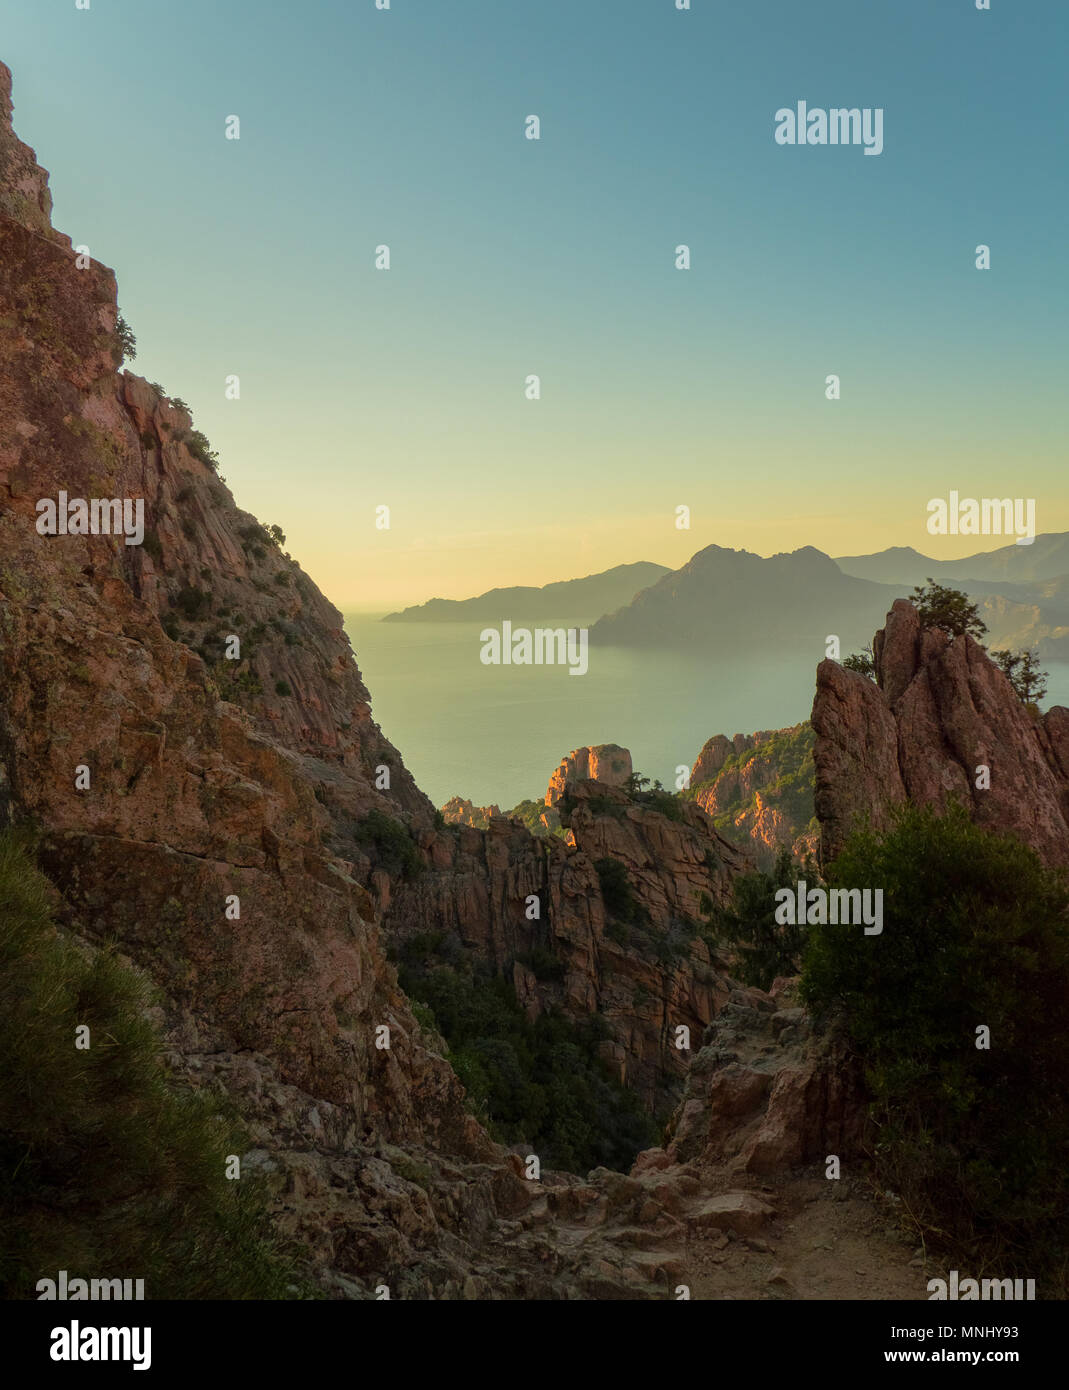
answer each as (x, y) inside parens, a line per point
(660, 387)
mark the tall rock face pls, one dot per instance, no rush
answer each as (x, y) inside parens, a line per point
(719, 750)
(160, 800)
(938, 712)
(211, 816)
(235, 820)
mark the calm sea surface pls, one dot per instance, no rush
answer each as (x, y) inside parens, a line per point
(496, 733)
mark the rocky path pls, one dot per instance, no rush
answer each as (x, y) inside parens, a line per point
(820, 1240)
(739, 1205)
(801, 1237)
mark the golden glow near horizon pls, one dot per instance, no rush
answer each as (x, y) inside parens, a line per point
(388, 573)
(514, 501)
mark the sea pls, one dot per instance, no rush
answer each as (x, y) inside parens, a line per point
(495, 734)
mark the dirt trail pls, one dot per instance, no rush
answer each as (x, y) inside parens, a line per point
(826, 1240)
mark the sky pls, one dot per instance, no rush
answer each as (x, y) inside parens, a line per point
(660, 388)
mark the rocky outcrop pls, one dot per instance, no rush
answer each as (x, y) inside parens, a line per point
(504, 893)
(939, 712)
(717, 750)
(763, 1095)
(604, 762)
(459, 811)
(758, 790)
(669, 848)
(25, 197)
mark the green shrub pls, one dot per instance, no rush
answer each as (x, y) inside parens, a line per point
(975, 933)
(862, 662)
(108, 1168)
(424, 1016)
(193, 603)
(765, 947)
(542, 1082)
(544, 964)
(198, 445)
(127, 342)
(663, 802)
(283, 688)
(616, 891)
(244, 685)
(950, 610)
(390, 845)
(655, 797)
(1022, 671)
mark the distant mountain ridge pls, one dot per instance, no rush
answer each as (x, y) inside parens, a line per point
(1046, 558)
(1022, 590)
(578, 600)
(733, 596)
(796, 598)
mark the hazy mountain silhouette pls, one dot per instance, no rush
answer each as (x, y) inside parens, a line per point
(797, 598)
(576, 600)
(1022, 590)
(1046, 558)
(733, 596)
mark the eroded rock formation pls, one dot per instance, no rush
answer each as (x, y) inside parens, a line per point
(607, 763)
(758, 790)
(763, 1096)
(646, 977)
(938, 712)
(459, 811)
